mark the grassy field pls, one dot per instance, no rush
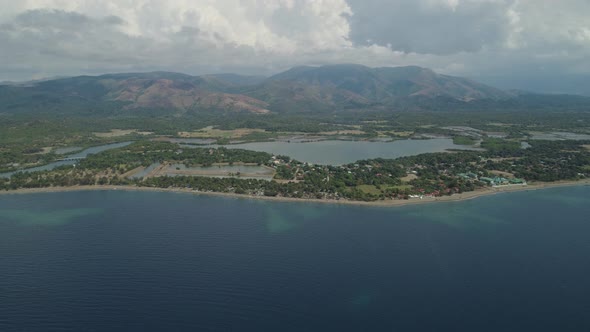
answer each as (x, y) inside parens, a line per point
(120, 132)
(463, 140)
(343, 132)
(210, 132)
(402, 133)
(409, 177)
(369, 189)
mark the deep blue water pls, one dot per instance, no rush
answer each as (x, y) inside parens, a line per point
(137, 261)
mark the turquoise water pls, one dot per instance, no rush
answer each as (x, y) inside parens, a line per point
(148, 261)
(344, 152)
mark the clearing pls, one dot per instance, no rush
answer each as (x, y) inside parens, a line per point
(210, 132)
(122, 132)
(409, 177)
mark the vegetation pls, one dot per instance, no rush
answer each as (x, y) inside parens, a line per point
(434, 174)
(463, 140)
(31, 138)
(501, 147)
(37, 120)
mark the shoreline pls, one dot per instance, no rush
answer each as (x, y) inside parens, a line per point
(385, 203)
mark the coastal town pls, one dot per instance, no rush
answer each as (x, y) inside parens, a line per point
(154, 164)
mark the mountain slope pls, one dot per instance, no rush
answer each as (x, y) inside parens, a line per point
(300, 89)
(285, 96)
(384, 85)
(159, 90)
(180, 95)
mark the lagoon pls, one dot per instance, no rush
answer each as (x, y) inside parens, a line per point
(344, 152)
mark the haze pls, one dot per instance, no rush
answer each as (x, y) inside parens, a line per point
(538, 45)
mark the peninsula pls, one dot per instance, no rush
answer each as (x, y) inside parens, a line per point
(500, 165)
(199, 133)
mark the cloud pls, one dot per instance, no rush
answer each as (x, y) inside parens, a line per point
(431, 27)
(57, 37)
(477, 38)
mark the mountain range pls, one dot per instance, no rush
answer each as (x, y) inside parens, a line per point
(300, 89)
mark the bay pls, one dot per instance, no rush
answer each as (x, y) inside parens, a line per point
(149, 261)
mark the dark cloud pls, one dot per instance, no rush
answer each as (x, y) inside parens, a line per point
(114, 20)
(54, 42)
(435, 28)
(40, 43)
(44, 18)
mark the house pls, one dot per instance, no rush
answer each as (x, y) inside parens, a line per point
(486, 179)
(500, 180)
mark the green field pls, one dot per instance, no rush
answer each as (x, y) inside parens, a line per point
(463, 140)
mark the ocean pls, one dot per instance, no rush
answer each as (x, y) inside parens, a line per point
(152, 261)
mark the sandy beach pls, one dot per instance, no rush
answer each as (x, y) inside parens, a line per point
(383, 203)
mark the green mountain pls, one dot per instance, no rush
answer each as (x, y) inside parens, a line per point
(386, 84)
(124, 93)
(300, 89)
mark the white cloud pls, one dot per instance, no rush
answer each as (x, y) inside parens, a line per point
(466, 37)
(317, 24)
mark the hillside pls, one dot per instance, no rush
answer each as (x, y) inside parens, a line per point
(158, 90)
(388, 83)
(300, 89)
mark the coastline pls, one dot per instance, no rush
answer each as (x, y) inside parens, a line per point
(386, 203)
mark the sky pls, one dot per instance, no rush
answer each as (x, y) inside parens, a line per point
(541, 45)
